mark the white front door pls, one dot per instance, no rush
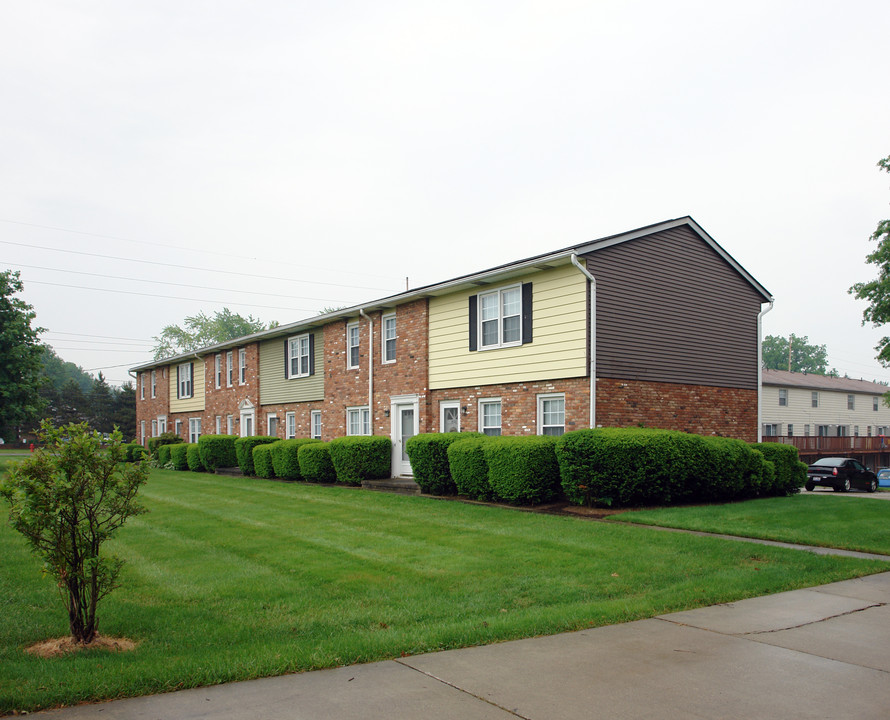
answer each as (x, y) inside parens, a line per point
(247, 423)
(404, 427)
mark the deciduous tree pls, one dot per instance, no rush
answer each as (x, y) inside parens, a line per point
(795, 353)
(201, 330)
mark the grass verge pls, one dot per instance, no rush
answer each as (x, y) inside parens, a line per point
(230, 579)
(838, 521)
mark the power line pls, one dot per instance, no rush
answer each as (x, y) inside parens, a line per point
(187, 267)
(109, 337)
(104, 350)
(166, 297)
(165, 282)
(101, 342)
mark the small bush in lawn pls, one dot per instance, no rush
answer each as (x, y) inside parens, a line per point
(315, 462)
(217, 451)
(193, 455)
(179, 456)
(165, 438)
(262, 460)
(285, 459)
(358, 458)
(468, 468)
(163, 454)
(428, 453)
(791, 473)
(523, 469)
(244, 450)
(133, 452)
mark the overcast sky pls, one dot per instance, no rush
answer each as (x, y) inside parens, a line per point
(163, 158)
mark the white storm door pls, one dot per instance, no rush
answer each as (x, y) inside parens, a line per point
(404, 427)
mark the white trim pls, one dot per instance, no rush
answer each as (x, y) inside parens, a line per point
(298, 339)
(142, 386)
(154, 383)
(364, 419)
(217, 370)
(480, 414)
(194, 429)
(230, 424)
(142, 431)
(384, 319)
(162, 424)
(242, 366)
(358, 344)
(290, 425)
(218, 427)
(400, 465)
(541, 399)
(185, 387)
(448, 404)
(499, 293)
(313, 415)
(230, 368)
(269, 418)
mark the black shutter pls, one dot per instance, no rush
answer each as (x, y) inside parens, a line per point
(526, 313)
(177, 383)
(286, 358)
(473, 321)
(191, 380)
(312, 353)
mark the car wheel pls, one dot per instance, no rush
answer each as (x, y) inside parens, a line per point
(872, 485)
(809, 486)
(847, 485)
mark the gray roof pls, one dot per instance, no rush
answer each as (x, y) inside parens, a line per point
(783, 378)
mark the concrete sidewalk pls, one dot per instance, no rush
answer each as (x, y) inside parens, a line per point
(823, 652)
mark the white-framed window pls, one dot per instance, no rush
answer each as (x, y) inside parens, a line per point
(806, 430)
(874, 403)
(352, 346)
(490, 416)
(142, 431)
(790, 430)
(185, 388)
(230, 424)
(154, 428)
(449, 416)
(154, 383)
(388, 351)
(814, 399)
(194, 429)
(783, 397)
(358, 421)
(552, 414)
(855, 431)
(868, 430)
(315, 424)
(217, 370)
(770, 430)
(290, 425)
(298, 363)
(851, 402)
(218, 428)
(823, 430)
(500, 317)
(242, 366)
(142, 386)
(177, 427)
(272, 424)
(230, 369)
(162, 424)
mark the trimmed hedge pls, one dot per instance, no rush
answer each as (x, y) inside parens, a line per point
(167, 438)
(244, 450)
(217, 451)
(468, 468)
(315, 462)
(428, 453)
(358, 458)
(262, 460)
(658, 467)
(523, 469)
(791, 473)
(134, 452)
(163, 454)
(179, 456)
(285, 460)
(193, 455)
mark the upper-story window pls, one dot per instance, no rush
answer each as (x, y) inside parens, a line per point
(242, 366)
(851, 402)
(154, 383)
(298, 356)
(217, 370)
(783, 398)
(874, 403)
(352, 345)
(142, 386)
(501, 318)
(814, 399)
(184, 386)
(230, 369)
(389, 338)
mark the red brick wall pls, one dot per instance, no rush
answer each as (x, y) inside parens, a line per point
(149, 408)
(225, 400)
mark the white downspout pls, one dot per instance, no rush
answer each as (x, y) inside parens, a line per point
(760, 368)
(370, 368)
(592, 280)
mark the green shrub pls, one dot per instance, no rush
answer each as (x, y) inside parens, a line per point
(428, 453)
(523, 469)
(217, 451)
(193, 455)
(244, 450)
(791, 473)
(163, 454)
(315, 463)
(133, 452)
(468, 468)
(262, 460)
(179, 456)
(358, 458)
(285, 459)
(166, 438)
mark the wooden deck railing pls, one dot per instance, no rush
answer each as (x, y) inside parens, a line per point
(821, 445)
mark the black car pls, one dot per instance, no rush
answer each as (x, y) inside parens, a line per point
(841, 474)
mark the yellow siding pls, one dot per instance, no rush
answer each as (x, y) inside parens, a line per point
(194, 403)
(275, 388)
(559, 330)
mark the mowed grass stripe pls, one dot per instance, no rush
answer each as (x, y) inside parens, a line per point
(238, 578)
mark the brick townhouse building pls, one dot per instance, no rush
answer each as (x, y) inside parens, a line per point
(658, 326)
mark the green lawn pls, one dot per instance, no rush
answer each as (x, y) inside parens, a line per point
(839, 521)
(230, 579)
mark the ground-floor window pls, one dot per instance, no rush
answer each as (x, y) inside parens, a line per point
(490, 416)
(230, 424)
(315, 424)
(178, 427)
(770, 430)
(551, 414)
(154, 428)
(142, 431)
(358, 421)
(290, 425)
(219, 424)
(194, 429)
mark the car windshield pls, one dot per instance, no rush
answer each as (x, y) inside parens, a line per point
(830, 462)
(884, 474)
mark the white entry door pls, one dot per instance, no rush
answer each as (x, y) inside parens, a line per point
(247, 417)
(404, 427)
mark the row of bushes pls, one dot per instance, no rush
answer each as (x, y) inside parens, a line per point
(609, 465)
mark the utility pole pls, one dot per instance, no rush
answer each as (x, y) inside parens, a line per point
(790, 343)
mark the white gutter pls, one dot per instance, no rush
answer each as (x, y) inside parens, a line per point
(760, 369)
(361, 312)
(592, 280)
